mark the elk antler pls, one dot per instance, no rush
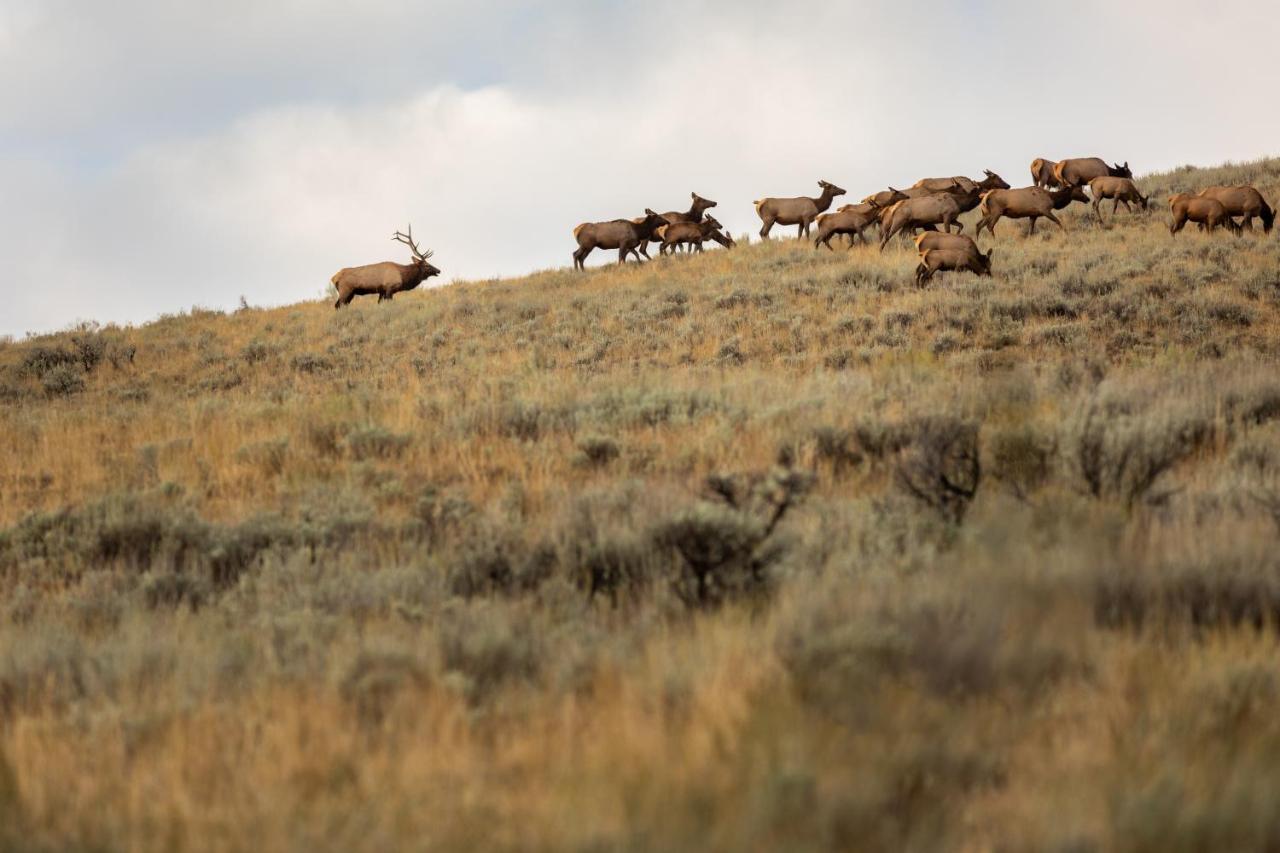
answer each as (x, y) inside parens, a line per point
(408, 240)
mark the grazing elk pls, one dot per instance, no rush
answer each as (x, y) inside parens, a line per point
(1081, 170)
(624, 235)
(955, 260)
(850, 220)
(1120, 191)
(1209, 212)
(937, 240)
(1042, 174)
(960, 183)
(1026, 203)
(1245, 202)
(795, 211)
(687, 233)
(387, 278)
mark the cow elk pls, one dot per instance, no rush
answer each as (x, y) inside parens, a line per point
(1081, 170)
(1245, 202)
(850, 220)
(1120, 191)
(694, 214)
(387, 278)
(938, 240)
(927, 212)
(1042, 174)
(885, 198)
(1209, 212)
(795, 211)
(1027, 203)
(687, 233)
(624, 235)
(960, 183)
(954, 260)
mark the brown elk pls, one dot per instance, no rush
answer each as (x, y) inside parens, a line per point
(624, 235)
(885, 198)
(960, 183)
(1120, 191)
(795, 211)
(694, 214)
(955, 260)
(387, 278)
(1026, 203)
(1245, 202)
(1081, 170)
(938, 240)
(939, 209)
(687, 233)
(1209, 212)
(1042, 173)
(850, 220)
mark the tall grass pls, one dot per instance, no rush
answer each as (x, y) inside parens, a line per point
(762, 549)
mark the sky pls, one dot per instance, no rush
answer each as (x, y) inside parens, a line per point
(157, 155)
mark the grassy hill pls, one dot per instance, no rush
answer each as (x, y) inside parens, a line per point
(760, 549)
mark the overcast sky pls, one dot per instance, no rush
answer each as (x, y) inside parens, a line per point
(159, 155)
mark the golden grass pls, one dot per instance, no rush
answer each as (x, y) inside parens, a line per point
(299, 578)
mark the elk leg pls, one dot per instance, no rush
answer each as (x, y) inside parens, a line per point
(764, 232)
(1055, 220)
(1032, 230)
(1246, 222)
(1115, 206)
(698, 243)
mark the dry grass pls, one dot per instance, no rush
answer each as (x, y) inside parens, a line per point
(762, 549)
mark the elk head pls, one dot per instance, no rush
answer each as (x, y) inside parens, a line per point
(700, 203)
(420, 258)
(828, 187)
(1064, 196)
(994, 181)
(984, 262)
(1124, 171)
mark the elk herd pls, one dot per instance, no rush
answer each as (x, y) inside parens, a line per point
(928, 204)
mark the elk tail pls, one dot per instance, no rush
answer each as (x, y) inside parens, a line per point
(759, 203)
(578, 230)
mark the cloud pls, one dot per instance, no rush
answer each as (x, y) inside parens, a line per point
(325, 137)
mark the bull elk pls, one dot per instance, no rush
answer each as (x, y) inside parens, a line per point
(1120, 191)
(689, 234)
(624, 235)
(795, 211)
(1042, 174)
(934, 261)
(1245, 202)
(387, 278)
(1209, 212)
(1081, 170)
(1027, 203)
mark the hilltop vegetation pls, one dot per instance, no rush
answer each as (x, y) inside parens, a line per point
(758, 549)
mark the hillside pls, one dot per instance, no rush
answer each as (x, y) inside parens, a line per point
(758, 549)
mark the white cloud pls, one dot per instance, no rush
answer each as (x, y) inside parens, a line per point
(741, 101)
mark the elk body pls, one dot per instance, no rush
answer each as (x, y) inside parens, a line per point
(960, 183)
(1119, 190)
(1042, 174)
(940, 209)
(1081, 170)
(1209, 212)
(1027, 203)
(387, 278)
(850, 220)
(795, 211)
(688, 233)
(625, 235)
(938, 240)
(885, 198)
(1245, 202)
(955, 260)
